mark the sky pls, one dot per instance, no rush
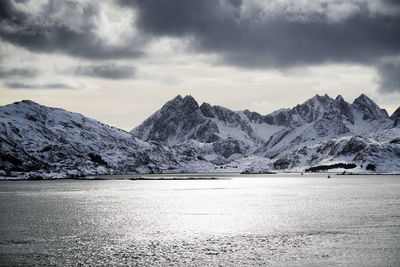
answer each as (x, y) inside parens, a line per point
(119, 61)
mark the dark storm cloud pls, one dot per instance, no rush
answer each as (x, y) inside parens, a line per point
(17, 72)
(276, 34)
(392, 3)
(53, 86)
(106, 71)
(272, 39)
(251, 34)
(389, 77)
(60, 26)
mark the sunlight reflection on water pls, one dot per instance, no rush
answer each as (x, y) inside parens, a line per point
(246, 220)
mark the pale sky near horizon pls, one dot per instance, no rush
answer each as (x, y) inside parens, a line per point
(120, 61)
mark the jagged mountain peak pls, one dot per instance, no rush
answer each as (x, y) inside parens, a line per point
(369, 109)
(396, 114)
(319, 99)
(179, 101)
(178, 105)
(207, 110)
(323, 97)
(339, 98)
(177, 98)
(311, 110)
(396, 117)
(191, 102)
(174, 122)
(363, 98)
(187, 98)
(175, 101)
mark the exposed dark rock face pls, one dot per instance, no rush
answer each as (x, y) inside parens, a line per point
(396, 117)
(395, 141)
(282, 163)
(369, 109)
(229, 147)
(353, 146)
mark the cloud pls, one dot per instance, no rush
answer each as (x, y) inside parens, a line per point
(251, 34)
(59, 26)
(389, 76)
(106, 71)
(52, 86)
(18, 72)
(263, 34)
(275, 34)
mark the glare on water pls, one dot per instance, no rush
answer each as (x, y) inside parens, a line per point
(238, 220)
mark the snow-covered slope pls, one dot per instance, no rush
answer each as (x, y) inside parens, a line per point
(379, 150)
(214, 132)
(52, 142)
(184, 136)
(322, 118)
(223, 136)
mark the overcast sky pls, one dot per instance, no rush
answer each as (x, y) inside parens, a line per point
(119, 61)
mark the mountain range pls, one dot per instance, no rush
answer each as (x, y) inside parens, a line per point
(43, 142)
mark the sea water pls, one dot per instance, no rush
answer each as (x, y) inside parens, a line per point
(274, 220)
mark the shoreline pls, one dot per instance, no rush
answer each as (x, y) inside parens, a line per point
(189, 176)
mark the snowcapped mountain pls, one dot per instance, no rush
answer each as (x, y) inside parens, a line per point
(184, 136)
(214, 132)
(379, 150)
(322, 118)
(52, 142)
(223, 136)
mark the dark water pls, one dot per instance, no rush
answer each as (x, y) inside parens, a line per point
(293, 221)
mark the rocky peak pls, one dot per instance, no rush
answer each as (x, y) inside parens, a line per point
(186, 105)
(174, 122)
(369, 109)
(396, 114)
(363, 99)
(253, 116)
(313, 108)
(226, 115)
(223, 114)
(396, 117)
(189, 100)
(177, 100)
(344, 108)
(207, 110)
(339, 99)
(319, 99)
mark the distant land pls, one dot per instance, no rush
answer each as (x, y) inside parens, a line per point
(321, 134)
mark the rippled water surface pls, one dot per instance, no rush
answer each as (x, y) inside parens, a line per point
(240, 220)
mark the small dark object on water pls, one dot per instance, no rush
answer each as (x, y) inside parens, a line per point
(329, 176)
